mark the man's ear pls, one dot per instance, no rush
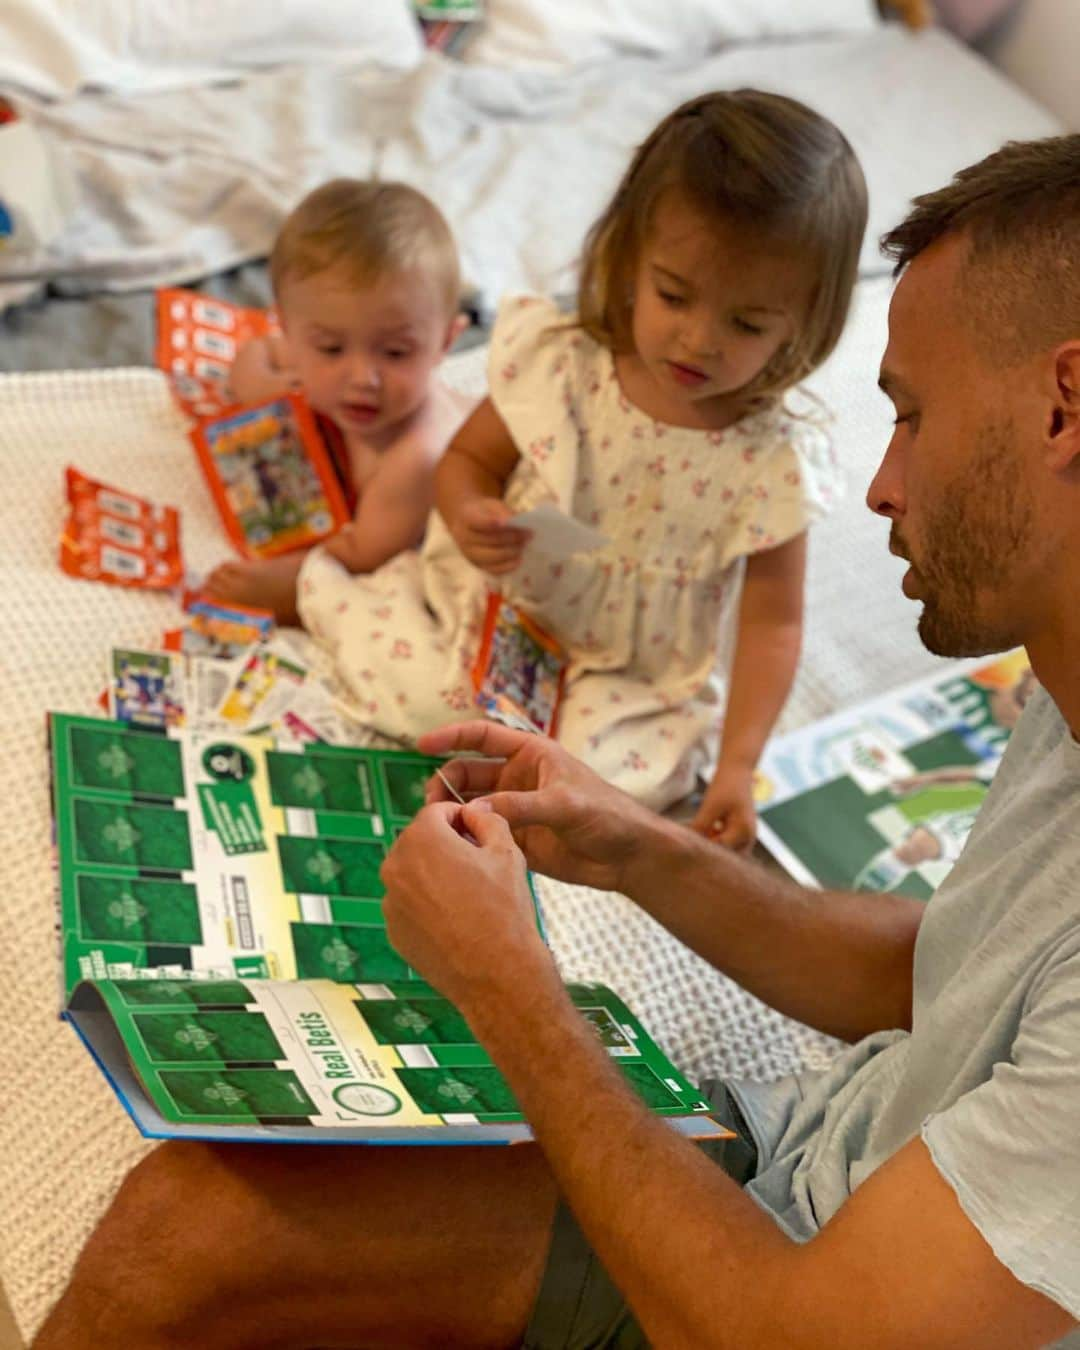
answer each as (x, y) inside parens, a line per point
(454, 330)
(1062, 431)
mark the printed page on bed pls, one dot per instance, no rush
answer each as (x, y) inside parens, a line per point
(316, 1060)
(882, 796)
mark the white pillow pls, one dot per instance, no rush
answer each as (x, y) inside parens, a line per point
(544, 34)
(53, 48)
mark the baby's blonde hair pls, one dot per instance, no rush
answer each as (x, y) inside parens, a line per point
(369, 229)
(755, 160)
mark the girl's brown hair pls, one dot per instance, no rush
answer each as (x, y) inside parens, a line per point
(750, 158)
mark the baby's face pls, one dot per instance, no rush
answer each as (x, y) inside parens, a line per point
(365, 355)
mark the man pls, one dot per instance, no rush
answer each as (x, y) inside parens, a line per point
(925, 1190)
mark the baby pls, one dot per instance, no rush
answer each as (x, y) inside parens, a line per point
(366, 282)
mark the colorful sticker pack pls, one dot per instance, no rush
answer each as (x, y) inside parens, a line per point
(113, 536)
(268, 467)
(520, 670)
(271, 477)
(218, 629)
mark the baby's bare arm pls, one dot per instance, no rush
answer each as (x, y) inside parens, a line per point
(390, 517)
(395, 503)
(262, 371)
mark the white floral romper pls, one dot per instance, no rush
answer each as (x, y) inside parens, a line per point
(647, 620)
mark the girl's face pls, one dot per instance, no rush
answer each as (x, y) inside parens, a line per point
(712, 305)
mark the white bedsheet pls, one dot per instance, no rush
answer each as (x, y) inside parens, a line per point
(64, 1140)
(177, 185)
(54, 48)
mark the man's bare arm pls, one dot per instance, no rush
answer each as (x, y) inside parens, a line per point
(839, 962)
(702, 1265)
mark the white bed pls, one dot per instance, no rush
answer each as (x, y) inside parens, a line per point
(179, 183)
(487, 144)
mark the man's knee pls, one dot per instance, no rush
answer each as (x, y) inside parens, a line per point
(142, 1278)
(163, 1243)
(203, 1241)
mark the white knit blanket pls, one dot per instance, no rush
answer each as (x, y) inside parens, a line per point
(64, 1140)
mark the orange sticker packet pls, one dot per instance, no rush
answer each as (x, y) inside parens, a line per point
(198, 337)
(217, 628)
(111, 535)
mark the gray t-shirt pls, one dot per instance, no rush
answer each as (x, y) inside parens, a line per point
(989, 1075)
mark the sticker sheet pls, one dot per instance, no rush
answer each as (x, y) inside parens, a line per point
(184, 854)
(331, 1055)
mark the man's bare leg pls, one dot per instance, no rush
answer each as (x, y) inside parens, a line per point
(249, 1247)
(263, 584)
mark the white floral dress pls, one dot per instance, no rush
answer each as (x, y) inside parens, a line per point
(647, 620)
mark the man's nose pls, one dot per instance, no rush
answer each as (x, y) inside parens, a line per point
(886, 493)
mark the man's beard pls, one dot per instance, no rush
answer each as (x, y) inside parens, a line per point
(972, 547)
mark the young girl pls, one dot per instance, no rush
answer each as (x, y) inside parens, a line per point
(717, 278)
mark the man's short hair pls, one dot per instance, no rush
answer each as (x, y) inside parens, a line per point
(1020, 210)
(368, 229)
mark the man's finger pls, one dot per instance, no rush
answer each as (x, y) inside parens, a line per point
(487, 738)
(466, 777)
(520, 809)
(433, 815)
(436, 815)
(485, 826)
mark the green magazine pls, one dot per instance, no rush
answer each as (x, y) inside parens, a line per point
(225, 959)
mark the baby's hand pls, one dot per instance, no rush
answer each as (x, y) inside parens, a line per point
(726, 814)
(481, 532)
(261, 371)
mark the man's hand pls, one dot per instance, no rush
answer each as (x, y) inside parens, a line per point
(726, 814)
(481, 531)
(458, 906)
(568, 821)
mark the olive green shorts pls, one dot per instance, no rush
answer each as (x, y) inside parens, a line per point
(578, 1307)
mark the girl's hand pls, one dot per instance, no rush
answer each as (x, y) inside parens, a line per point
(480, 530)
(726, 814)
